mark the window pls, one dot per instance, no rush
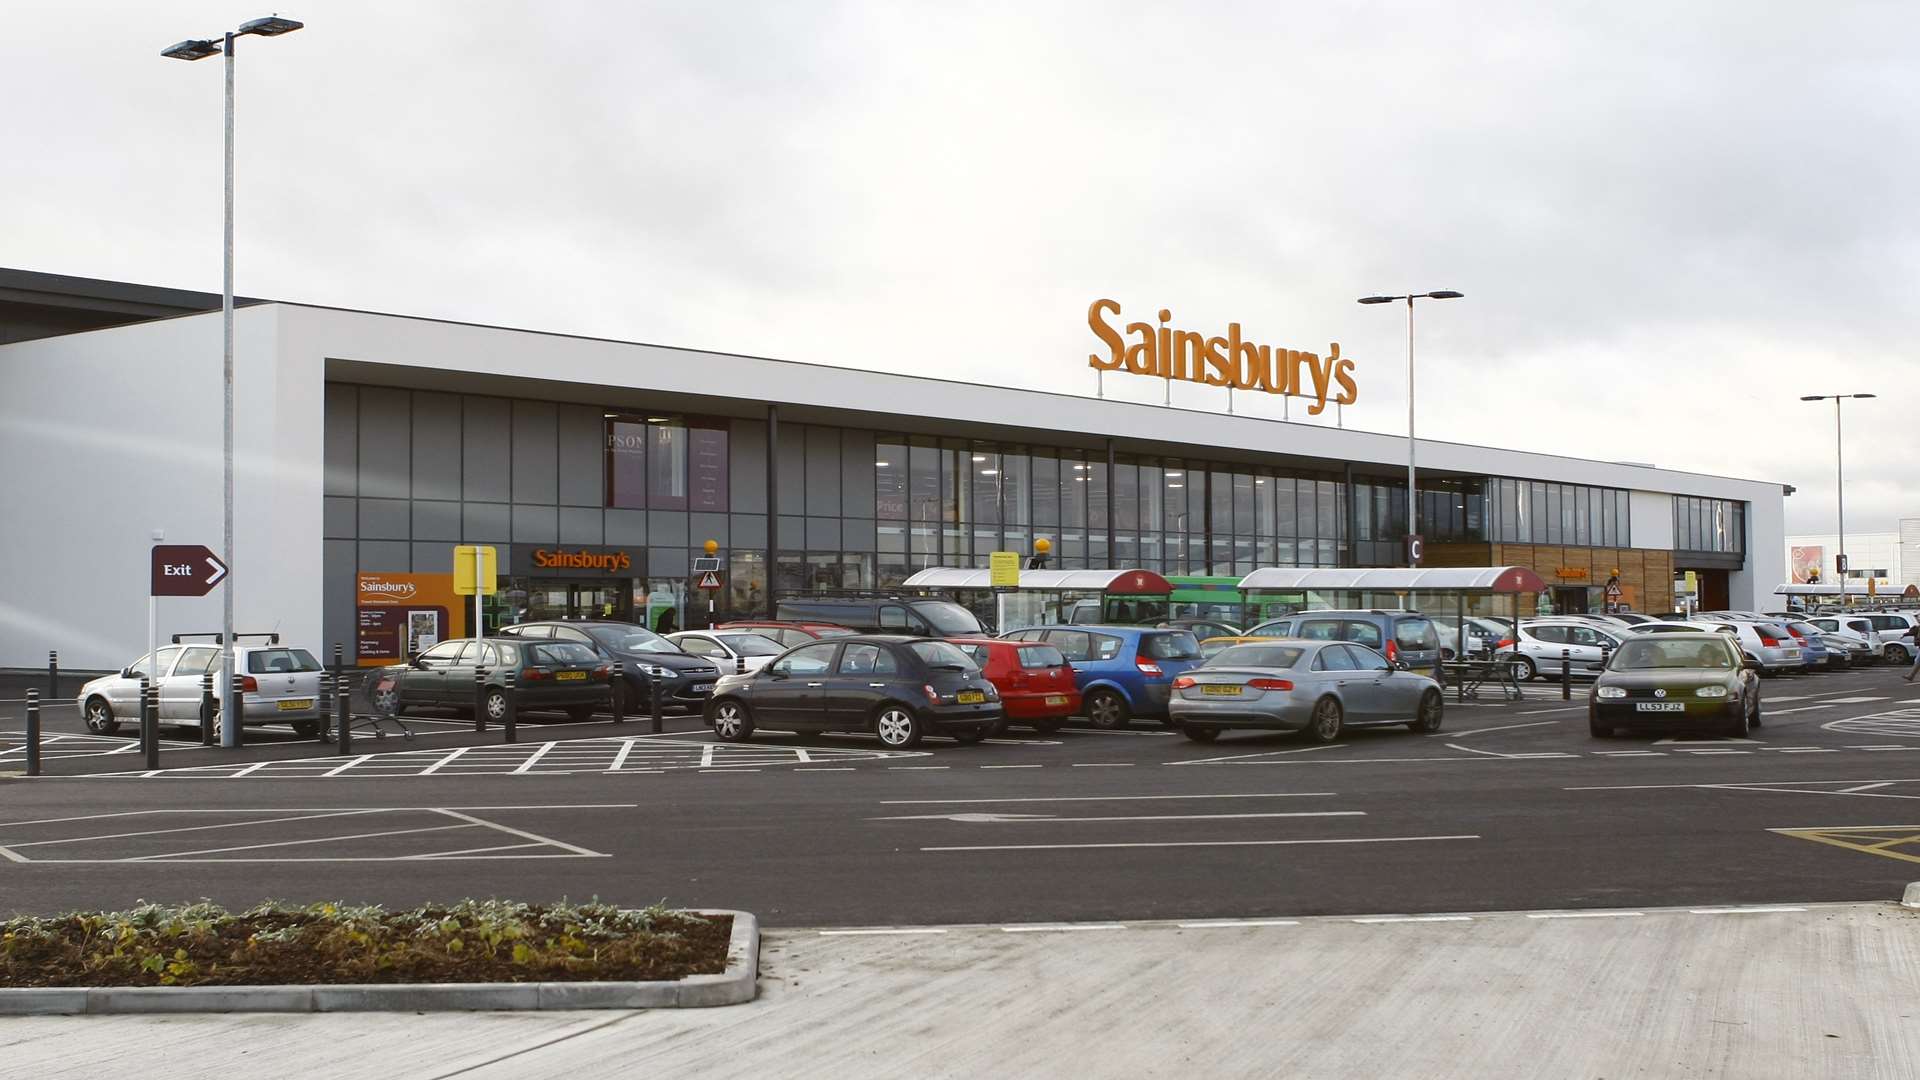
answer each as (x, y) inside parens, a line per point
(197, 660)
(1580, 635)
(1320, 630)
(894, 617)
(1415, 634)
(750, 644)
(859, 659)
(622, 639)
(1361, 633)
(446, 652)
(626, 464)
(1555, 634)
(1175, 646)
(1073, 644)
(562, 653)
(268, 661)
(1283, 628)
(1105, 646)
(1266, 656)
(807, 660)
(666, 467)
(1368, 660)
(1036, 657)
(1333, 658)
(571, 633)
(503, 655)
(947, 617)
(942, 654)
(699, 646)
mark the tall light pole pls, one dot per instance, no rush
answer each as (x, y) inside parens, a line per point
(200, 49)
(1413, 518)
(1839, 487)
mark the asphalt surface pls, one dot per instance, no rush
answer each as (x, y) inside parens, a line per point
(1511, 806)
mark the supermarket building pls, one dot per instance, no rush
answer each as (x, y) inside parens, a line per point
(368, 445)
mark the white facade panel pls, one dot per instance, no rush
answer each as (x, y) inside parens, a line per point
(1650, 520)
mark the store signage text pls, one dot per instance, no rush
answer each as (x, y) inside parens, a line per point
(374, 589)
(1167, 353)
(612, 562)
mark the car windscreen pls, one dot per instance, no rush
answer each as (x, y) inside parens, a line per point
(1805, 628)
(753, 645)
(1268, 656)
(1178, 645)
(1674, 651)
(630, 639)
(269, 661)
(1041, 656)
(939, 654)
(948, 618)
(560, 652)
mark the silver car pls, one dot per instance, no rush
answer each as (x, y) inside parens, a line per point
(282, 687)
(1542, 641)
(1291, 684)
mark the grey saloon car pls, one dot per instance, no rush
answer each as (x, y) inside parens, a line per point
(1319, 687)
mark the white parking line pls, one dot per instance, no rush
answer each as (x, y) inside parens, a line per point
(1197, 843)
(535, 757)
(1413, 918)
(1223, 924)
(1484, 730)
(1790, 712)
(1106, 798)
(1585, 914)
(1741, 910)
(1854, 700)
(878, 933)
(1039, 929)
(435, 767)
(1263, 753)
(1011, 766)
(1102, 765)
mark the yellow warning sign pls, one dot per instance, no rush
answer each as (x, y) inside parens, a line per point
(1893, 841)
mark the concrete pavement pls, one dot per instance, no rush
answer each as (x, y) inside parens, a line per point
(1828, 991)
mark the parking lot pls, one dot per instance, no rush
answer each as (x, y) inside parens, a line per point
(1512, 805)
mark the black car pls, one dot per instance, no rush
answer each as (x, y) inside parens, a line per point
(918, 615)
(548, 675)
(899, 688)
(685, 679)
(1679, 681)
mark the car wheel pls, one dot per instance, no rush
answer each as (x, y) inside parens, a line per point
(1108, 710)
(1432, 710)
(898, 727)
(1328, 721)
(1523, 669)
(1897, 654)
(1200, 734)
(100, 718)
(496, 706)
(579, 713)
(306, 729)
(975, 734)
(1740, 726)
(732, 722)
(1753, 714)
(1598, 730)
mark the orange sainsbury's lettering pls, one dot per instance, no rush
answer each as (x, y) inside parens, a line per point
(1192, 356)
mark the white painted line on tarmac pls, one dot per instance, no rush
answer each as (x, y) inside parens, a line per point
(1040, 929)
(1046, 819)
(1262, 753)
(522, 833)
(1893, 746)
(1863, 787)
(475, 823)
(1197, 843)
(1099, 798)
(1810, 750)
(837, 768)
(1563, 708)
(883, 932)
(1855, 700)
(1012, 766)
(534, 758)
(1790, 712)
(1741, 910)
(194, 828)
(911, 768)
(435, 767)
(1224, 924)
(1102, 765)
(1413, 918)
(1585, 914)
(1484, 730)
(1628, 753)
(1743, 784)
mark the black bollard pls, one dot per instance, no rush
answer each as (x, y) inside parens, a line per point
(53, 675)
(238, 720)
(33, 733)
(479, 699)
(1566, 675)
(209, 707)
(506, 716)
(617, 692)
(324, 706)
(343, 714)
(653, 699)
(150, 725)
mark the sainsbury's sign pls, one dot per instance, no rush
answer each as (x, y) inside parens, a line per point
(1162, 351)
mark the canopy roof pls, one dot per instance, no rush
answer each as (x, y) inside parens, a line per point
(1124, 582)
(1854, 588)
(1498, 579)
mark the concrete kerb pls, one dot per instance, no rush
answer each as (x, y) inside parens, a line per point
(733, 987)
(1912, 897)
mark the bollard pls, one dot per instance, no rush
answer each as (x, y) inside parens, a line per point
(238, 720)
(506, 715)
(53, 675)
(33, 733)
(653, 699)
(617, 692)
(209, 705)
(343, 714)
(479, 699)
(1606, 656)
(150, 727)
(324, 706)
(140, 714)
(1566, 675)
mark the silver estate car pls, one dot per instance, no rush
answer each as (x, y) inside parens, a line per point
(282, 685)
(1290, 684)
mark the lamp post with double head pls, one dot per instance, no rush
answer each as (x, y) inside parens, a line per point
(1413, 520)
(1839, 488)
(200, 49)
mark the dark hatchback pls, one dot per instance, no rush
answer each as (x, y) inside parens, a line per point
(1675, 682)
(898, 688)
(685, 679)
(548, 675)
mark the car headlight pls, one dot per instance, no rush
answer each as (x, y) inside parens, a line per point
(1610, 692)
(1712, 691)
(655, 671)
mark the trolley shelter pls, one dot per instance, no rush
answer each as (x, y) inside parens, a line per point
(1859, 594)
(1044, 597)
(1503, 593)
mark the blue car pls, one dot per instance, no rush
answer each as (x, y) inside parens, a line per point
(1121, 671)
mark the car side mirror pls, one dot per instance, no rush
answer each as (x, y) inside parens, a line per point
(1402, 665)
(1750, 665)
(417, 663)
(127, 673)
(775, 673)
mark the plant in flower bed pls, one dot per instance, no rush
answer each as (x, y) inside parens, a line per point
(274, 943)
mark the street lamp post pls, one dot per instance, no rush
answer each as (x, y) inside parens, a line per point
(1413, 519)
(200, 49)
(1839, 488)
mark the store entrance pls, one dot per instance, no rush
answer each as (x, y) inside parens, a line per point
(1570, 599)
(601, 599)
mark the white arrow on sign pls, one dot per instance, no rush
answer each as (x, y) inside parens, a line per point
(219, 571)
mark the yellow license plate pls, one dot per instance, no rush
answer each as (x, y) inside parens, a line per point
(571, 676)
(296, 705)
(1220, 691)
(969, 697)
(1056, 699)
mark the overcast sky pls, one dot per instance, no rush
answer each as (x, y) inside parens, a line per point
(1670, 220)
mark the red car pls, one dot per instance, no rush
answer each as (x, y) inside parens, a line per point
(788, 634)
(1034, 680)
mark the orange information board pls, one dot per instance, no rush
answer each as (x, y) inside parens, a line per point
(397, 615)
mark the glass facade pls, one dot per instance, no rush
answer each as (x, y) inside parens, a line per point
(1533, 512)
(1714, 525)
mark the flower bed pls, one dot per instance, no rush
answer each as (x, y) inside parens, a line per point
(474, 941)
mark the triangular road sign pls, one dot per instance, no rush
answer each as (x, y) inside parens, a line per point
(709, 580)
